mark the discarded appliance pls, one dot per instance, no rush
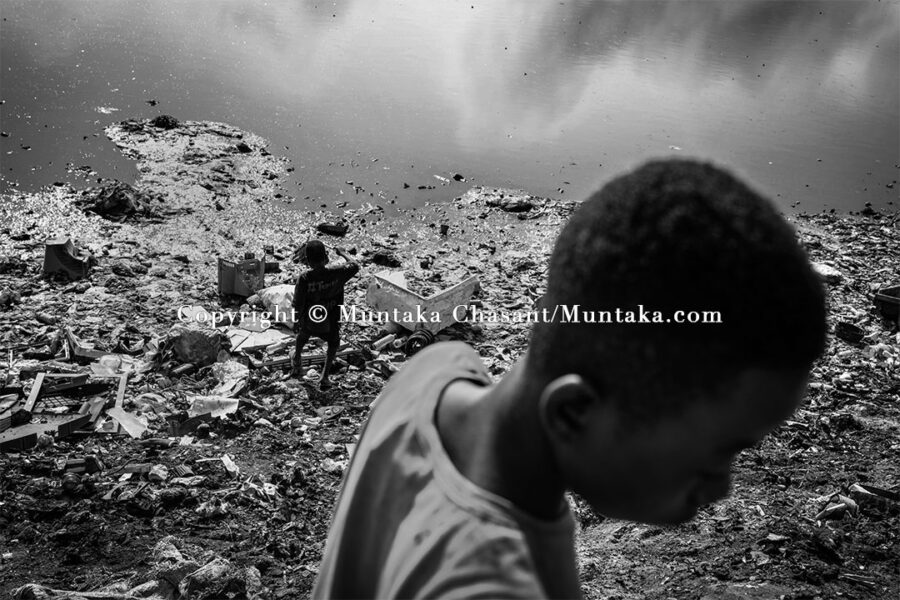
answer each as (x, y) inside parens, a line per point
(60, 256)
(388, 292)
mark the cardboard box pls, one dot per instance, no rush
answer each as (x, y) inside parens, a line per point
(241, 278)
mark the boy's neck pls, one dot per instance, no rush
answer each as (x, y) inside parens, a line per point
(494, 439)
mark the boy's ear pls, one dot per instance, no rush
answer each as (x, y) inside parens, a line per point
(564, 407)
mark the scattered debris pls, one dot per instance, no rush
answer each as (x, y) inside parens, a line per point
(214, 406)
(887, 299)
(389, 293)
(278, 300)
(507, 200)
(828, 273)
(123, 438)
(172, 575)
(418, 340)
(386, 259)
(134, 425)
(120, 200)
(194, 344)
(336, 229)
(164, 122)
(60, 256)
(849, 332)
(241, 278)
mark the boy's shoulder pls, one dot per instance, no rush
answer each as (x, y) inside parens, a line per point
(442, 356)
(486, 559)
(423, 377)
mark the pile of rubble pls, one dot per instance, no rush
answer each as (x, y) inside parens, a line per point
(117, 201)
(57, 385)
(146, 393)
(149, 383)
(173, 576)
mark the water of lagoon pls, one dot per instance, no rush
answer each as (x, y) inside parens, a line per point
(801, 97)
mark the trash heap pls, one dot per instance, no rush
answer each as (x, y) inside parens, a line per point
(173, 575)
(117, 201)
(141, 401)
(153, 444)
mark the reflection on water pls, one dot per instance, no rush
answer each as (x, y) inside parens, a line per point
(554, 97)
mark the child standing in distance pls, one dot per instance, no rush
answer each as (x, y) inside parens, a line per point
(457, 485)
(318, 296)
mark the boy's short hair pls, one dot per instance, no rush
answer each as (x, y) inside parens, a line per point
(316, 253)
(678, 235)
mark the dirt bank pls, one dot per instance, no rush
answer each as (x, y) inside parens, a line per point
(210, 189)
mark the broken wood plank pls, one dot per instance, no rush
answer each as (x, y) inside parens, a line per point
(75, 381)
(25, 436)
(94, 408)
(69, 427)
(120, 398)
(51, 368)
(120, 392)
(37, 344)
(129, 422)
(19, 443)
(35, 392)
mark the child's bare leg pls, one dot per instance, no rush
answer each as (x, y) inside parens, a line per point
(302, 338)
(330, 353)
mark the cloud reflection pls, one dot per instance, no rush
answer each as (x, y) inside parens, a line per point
(589, 53)
(504, 82)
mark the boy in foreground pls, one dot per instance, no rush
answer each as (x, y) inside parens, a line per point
(457, 486)
(318, 294)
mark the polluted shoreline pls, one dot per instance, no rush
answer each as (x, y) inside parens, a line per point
(167, 459)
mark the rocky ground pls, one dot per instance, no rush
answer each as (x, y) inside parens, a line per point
(240, 505)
